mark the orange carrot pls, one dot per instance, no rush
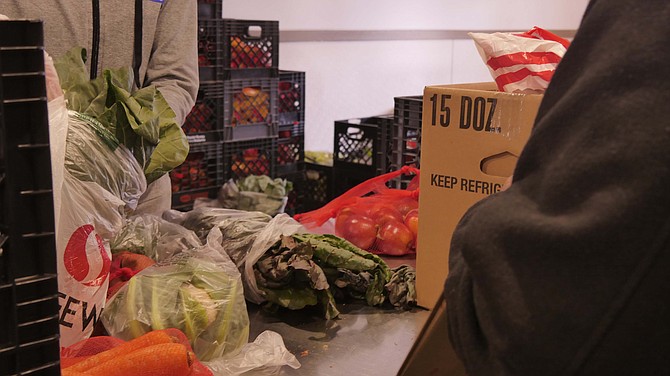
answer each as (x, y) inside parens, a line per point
(148, 339)
(165, 359)
(67, 372)
(69, 362)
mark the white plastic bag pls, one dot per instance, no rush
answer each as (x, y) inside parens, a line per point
(281, 224)
(265, 356)
(89, 215)
(58, 121)
(102, 180)
(521, 62)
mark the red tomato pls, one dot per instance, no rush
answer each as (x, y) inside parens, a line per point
(394, 238)
(358, 229)
(345, 212)
(412, 221)
(383, 214)
(406, 205)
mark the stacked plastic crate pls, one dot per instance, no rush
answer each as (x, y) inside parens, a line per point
(406, 135)
(232, 129)
(290, 156)
(201, 174)
(362, 148)
(367, 147)
(28, 280)
(249, 117)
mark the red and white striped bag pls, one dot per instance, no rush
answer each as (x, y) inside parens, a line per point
(521, 62)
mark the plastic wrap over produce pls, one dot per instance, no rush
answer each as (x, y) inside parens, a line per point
(198, 291)
(521, 62)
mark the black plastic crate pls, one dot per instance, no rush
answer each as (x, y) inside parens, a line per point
(291, 97)
(291, 130)
(210, 49)
(295, 200)
(316, 188)
(251, 48)
(249, 109)
(290, 152)
(201, 175)
(29, 339)
(407, 134)
(363, 145)
(209, 9)
(345, 179)
(251, 157)
(205, 121)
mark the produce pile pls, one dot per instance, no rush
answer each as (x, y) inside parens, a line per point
(251, 161)
(201, 118)
(289, 97)
(284, 265)
(192, 272)
(254, 193)
(251, 106)
(250, 53)
(142, 120)
(192, 174)
(172, 292)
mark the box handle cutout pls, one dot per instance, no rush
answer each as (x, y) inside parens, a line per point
(501, 164)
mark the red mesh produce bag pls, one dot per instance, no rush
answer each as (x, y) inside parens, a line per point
(521, 62)
(82, 350)
(373, 216)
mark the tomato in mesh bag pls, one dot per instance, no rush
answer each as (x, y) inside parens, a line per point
(373, 216)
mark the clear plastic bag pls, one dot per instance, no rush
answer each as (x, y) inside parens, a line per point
(93, 154)
(252, 193)
(154, 237)
(246, 237)
(197, 291)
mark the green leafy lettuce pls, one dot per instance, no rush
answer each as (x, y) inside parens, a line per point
(142, 120)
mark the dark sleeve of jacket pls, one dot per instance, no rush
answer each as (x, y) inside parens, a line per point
(568, 271)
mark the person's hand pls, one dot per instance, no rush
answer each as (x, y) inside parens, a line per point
(51, 77)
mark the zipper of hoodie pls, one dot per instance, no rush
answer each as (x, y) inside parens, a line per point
(95, 48)
(137, 42)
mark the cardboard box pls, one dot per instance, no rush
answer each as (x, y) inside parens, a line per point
(471, 136)
(432, 353)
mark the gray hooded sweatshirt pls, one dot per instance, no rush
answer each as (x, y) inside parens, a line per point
(169, 39)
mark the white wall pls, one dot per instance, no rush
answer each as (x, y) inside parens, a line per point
(360, 78)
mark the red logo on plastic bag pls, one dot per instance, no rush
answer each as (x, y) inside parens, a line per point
(76, 256)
